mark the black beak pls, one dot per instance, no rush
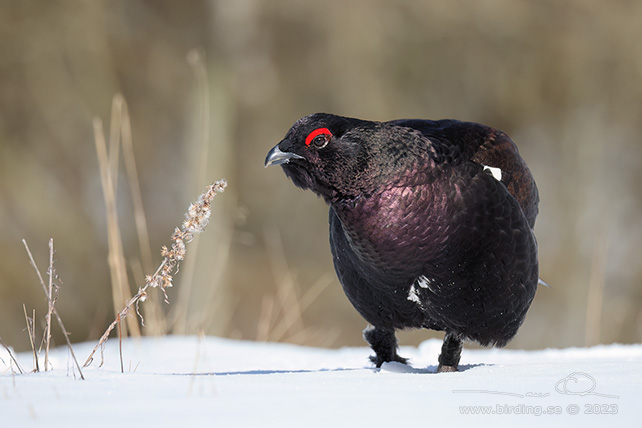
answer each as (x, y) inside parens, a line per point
(277, 157)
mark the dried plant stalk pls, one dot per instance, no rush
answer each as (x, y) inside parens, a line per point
(50, 300)
(12, 356)
(197, 63)
(196, 220)
(54, 311)
(120, 343)
(32, 337)
(153, 310)
(116, 257)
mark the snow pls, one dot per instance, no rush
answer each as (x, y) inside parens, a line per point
(206, 381)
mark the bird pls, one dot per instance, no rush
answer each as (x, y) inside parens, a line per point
(430, 224)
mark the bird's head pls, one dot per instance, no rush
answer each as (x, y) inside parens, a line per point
(341, 158)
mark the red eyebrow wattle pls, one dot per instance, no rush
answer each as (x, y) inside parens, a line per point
(318, 131)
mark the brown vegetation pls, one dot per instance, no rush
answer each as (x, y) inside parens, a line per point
(211, 86)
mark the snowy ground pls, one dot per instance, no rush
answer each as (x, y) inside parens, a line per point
(193, 382)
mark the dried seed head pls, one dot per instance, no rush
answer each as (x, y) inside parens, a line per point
(151, 280)
(164, 251)
(179, 250)
(196, 218)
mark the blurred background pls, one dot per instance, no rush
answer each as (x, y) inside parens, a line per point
(211, 86)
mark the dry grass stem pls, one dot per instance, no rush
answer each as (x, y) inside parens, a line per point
(195, 60)
(196, 220)
(114, 138)
(595, 298)
(120, 343)
(158, 325)
(53, 309)
(120, 134)
(134, 186)
(154, 309)
(215, 274)
(11, 356)
(281, 317)
(265, 319)
(32, 337)
(50, 300)
(116, 258)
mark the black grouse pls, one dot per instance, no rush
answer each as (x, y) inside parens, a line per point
(430, 225)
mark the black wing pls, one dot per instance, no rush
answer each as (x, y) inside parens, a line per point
(483, 284)
(488, 147)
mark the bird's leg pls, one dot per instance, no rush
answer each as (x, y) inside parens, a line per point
(384, 343)
(450, 353)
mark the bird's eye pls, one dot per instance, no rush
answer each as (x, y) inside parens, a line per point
(319, 138)
(320, 141)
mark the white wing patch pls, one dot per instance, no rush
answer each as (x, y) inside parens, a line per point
(424, 282)
(413, 296)
(413, 293)
(496, 172)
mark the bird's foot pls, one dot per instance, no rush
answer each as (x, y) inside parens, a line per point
(378, 360)
(450, 353)
(446, 369)
(384, 343)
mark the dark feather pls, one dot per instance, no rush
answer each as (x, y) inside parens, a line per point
(430, 224)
